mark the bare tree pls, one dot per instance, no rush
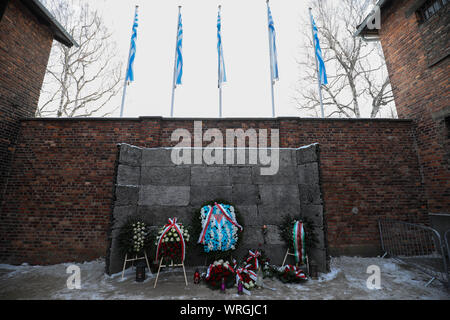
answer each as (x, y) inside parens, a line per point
(356, 70)
(80, 81)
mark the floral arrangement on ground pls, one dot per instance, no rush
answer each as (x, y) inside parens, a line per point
(216, 272)
(218, 226)
(254, 264)
(256, 259)
(286, 274)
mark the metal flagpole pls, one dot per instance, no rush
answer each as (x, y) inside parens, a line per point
(271, 63)
(219, 73)
(175, 65)
(123, 94)
(220, 101)
(128, 69)
(317, 65)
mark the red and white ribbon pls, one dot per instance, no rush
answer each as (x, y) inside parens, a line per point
(254, 255)
(201, 238)
(298, 272)
(225, 213)
(208, 272)
(172, 224)
(241, 271)
(227, 265)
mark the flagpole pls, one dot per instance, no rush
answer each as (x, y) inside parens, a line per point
(219, 80)
(317, 65)
(126, 74)
(220, 101)
(271, 62)
(175, 65)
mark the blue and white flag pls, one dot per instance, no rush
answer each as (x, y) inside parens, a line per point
(179, 53)
(273, 46)
(321, 64)
(130, 71)
(222, 73)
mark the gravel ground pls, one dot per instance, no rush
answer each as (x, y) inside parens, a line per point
(346, 281)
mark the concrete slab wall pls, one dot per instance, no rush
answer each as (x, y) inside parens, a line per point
(149, 184)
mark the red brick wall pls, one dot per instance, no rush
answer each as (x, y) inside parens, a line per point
(24, 50)
(58, 201)
(417, 59)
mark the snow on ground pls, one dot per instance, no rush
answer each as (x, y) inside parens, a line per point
(347, 280)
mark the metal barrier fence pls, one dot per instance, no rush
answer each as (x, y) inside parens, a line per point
(416, 245)
(447, 241)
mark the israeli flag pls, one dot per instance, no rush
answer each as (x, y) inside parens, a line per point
(222, 73)
(322, 71)
(179, 58)
(273, 47)
(130, 72)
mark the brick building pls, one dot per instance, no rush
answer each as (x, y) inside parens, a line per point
(58, 198)
(27, 31)
(415, 36)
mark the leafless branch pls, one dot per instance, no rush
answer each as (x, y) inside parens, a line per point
(356, 69)
(80, 81)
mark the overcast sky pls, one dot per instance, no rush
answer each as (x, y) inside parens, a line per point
(246, 52)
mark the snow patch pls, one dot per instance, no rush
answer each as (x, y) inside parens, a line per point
(329, 276)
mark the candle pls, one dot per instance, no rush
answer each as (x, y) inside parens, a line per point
(222, 286)
(240, 287)
(197, 277)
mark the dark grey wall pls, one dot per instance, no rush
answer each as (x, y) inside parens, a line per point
(148, 183)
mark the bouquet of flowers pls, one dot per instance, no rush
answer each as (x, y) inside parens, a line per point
(269, 271)
(256, 259)
(218, 270)
(247, 277)
(171, 241)
(134, 237)
(291, 274)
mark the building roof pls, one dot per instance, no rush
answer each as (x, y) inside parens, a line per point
(59, 33)
(362, 29)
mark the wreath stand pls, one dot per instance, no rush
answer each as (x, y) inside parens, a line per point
(136, 258)
(170, 265)
(288, 253)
